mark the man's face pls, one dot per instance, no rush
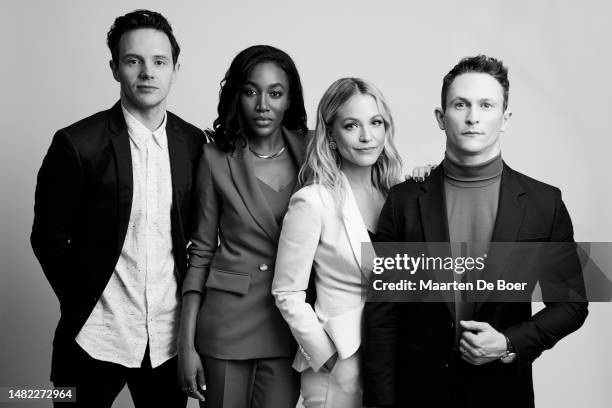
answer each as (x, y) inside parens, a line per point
(474, 118)
(144, 69)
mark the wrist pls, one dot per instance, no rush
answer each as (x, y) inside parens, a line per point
(509, 354)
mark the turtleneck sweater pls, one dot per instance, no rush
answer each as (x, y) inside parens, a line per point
(472, 196)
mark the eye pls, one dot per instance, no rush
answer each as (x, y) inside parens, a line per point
(131, 61)
(276, 94)
(486, 105)
(459, 105)
(160, 62)
(350, 126)
(378, 122)
(249, 92)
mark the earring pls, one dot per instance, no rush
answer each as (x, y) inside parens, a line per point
(332, 144)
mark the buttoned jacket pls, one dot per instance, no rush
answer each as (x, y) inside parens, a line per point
(232, 256)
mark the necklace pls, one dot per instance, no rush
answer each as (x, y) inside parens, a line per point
(268, 156)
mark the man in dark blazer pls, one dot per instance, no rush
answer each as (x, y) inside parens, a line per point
(111, 223)
(462, 353)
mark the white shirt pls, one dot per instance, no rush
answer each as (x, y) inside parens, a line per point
(141, 302)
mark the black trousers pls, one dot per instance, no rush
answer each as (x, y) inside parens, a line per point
(99, 382)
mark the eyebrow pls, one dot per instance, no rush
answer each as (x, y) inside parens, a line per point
(377, 116)
(131, 55)
(269, 86)
(461, 98)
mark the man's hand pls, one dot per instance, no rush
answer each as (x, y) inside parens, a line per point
(480, 343)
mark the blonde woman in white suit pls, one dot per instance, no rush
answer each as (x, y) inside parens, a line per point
(350, 166)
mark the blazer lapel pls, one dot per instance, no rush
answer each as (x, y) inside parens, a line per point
(120, 141)
(355, 228)
(179, 161)
(243, 174)
(434, 222)
(510, 214)
(297, 146)
(433, 209)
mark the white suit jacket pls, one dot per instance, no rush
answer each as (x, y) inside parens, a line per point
(315, 236)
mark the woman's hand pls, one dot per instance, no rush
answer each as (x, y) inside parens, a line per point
(420, 173)
(191, 373)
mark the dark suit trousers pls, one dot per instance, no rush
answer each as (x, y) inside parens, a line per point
(99, 382)
(257, 383)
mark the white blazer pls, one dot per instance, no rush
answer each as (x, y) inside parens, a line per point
(315, 236)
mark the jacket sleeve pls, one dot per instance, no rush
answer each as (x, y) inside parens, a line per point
(380, 329)
(59, 192)
(558, 318)
(204, 239)
(297, 246)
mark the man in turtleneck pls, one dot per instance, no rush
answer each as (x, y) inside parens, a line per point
(462, 354)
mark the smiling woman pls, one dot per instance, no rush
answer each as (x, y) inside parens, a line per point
(351, 165)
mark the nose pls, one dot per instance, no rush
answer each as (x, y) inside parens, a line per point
(145, 71)
(262, 103)
(365, 135)
(472, 117)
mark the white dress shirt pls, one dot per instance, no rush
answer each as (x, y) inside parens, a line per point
(140, 303)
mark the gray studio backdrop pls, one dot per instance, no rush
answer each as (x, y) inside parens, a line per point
(55, 71)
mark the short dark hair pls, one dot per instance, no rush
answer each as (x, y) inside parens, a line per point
(479, 64)
(227, 130)
(140, 19)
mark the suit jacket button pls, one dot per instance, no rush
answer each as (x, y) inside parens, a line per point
(263, 267)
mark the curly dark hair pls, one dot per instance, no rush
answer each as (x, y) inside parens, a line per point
(227, 132)
(479, 64)
(140, 19)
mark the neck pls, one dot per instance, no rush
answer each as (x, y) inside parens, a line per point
(269, 144)
(151, 118)
(479, 172)
(467, 159)
(358, 176)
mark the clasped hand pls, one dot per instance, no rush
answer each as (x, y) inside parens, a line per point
(480, 343)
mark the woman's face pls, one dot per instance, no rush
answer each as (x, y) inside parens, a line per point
(359, 131)
(264, 100)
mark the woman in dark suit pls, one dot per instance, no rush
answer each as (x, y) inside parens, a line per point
(230, 328)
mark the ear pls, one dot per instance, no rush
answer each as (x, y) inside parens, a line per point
(439, 114)
(506, 120)
(114, 70)
(175, 72)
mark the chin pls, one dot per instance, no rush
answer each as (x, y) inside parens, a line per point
(262, 132)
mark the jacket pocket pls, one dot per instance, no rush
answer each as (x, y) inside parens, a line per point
(228, 281)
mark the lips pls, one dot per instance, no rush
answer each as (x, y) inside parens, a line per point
(147, 87)
(262, 121)
(471, 133)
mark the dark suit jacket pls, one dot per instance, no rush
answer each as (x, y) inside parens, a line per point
(410, 357)
(234, 268)
(82, 207)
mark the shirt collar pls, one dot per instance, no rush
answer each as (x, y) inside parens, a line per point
(139, 133)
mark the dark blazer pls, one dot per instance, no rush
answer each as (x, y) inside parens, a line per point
(232, 255)
(410, 357)
(82, 207)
